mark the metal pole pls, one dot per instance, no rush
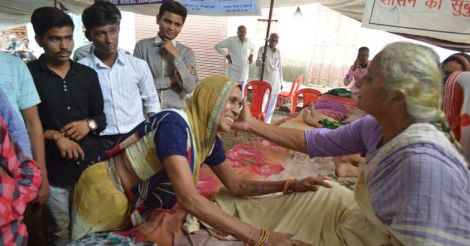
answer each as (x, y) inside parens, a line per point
(267, 37)
(55, 3)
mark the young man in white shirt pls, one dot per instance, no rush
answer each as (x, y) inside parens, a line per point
(239, 55)
(126, 81)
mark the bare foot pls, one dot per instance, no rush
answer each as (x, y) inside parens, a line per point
(346, 170)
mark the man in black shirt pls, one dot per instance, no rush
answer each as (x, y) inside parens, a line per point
(71, 111)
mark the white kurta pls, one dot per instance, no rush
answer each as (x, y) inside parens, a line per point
(272, 75)
(272, 69)
(239, 52)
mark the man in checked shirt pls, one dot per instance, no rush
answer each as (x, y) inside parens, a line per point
(20, 179)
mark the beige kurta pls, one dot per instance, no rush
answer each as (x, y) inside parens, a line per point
(326, 217)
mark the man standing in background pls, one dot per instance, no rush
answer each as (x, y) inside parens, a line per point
(272, 71)
(357, 70)
(173, 65)
(126, 81)
(88, 49)
(239, 55)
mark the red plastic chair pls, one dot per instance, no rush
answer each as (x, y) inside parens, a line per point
(291, 94)
(308, 96)
(258, 91)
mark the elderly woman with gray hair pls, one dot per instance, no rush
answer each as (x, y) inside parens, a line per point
(414, 188)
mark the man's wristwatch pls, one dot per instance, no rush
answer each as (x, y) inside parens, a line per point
(92, 125)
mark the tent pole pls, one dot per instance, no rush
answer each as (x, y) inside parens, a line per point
(267, 37)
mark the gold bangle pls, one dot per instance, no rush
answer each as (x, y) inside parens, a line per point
(263, 238)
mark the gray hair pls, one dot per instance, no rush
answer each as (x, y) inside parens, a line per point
(414, 71)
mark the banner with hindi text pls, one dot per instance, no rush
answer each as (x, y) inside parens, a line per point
(222, 7)
(441, 19)
(135, 2)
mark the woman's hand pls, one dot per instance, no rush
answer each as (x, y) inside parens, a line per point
(244, 119)
(309, 184)
(312, 117)
(282, 239)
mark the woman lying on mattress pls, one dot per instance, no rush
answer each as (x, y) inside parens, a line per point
(415, 186)
(158, 165)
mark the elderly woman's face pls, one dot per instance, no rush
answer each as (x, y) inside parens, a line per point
(231, 110)
(372, 92)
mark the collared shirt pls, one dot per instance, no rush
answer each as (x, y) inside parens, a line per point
(16, 82)
(15, 124)
(239, 52)
(17, 189)
(86, 50)
(162, 67)
(272, 68)
(77, 97)
(125, 85)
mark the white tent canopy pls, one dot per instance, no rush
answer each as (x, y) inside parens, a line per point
(18, 12)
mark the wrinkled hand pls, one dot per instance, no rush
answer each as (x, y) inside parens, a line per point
(312, 117)
(309, 184)
(70, 149)
(282, 239)
(170, 48)
(229, 59)
(76, 130)
(44, 192)
(244, 119)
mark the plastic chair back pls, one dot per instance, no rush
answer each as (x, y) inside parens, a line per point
(294, 88)
(258, 90)
(295, 85)
(309, 95)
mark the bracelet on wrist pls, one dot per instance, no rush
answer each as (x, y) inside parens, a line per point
(263, 238)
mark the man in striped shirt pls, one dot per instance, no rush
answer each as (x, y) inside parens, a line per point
(126, 81)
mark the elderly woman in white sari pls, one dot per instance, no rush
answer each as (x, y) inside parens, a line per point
(415, 186)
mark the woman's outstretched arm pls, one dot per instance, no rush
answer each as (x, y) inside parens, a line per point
(239, 186)
(191, 201)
